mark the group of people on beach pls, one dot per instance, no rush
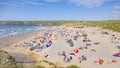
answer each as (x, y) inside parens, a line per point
(48, 37)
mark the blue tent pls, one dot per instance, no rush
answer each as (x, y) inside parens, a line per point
(88, 44)
(75, 37)
(118, 47)
(48, 45)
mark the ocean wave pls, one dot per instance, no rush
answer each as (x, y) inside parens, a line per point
(14, 30)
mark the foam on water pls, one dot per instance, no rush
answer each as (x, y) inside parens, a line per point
(15, 30)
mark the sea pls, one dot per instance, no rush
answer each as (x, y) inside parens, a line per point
(7, 31)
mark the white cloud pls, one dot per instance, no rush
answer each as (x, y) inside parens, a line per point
(86, 3)
(34, 2)
(116, 15)
(21, 3)
(89, 3)
(52, 0)
(117, 7)
(8, 4)
(116, 12)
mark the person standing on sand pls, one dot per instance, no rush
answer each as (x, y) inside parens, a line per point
(63, 53)
(46, 55)
(79, 58)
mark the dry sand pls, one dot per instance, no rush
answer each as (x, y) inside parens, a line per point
(104, 50)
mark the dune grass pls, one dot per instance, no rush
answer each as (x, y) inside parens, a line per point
(111, 25)
(72, 66)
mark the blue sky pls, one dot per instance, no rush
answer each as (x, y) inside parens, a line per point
(59, 10)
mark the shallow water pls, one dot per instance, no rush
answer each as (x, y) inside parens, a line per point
(15, 30)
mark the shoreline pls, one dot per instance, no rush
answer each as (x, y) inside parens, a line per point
(15, 39)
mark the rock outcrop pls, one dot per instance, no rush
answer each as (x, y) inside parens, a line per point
(6, 59)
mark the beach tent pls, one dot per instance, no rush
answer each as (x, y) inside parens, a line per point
(70, 42)
(118, 47)
(28, 43)
(117, 54)
(105, 33)
(75, 37)
(38, 47)
(48, 45)
(76, 50)
(34, 41)
(88, 44)
(85, 35)
(86, 40)
(32, 48)
(96, 43)
(45, 34)
(80, 35)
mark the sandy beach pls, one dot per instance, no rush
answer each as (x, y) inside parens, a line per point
(65, 46)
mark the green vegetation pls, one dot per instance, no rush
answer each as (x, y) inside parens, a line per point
(107, 24)
(72, 66)
(12, 66)
(48, 62)
(111, 25)
(40, 67)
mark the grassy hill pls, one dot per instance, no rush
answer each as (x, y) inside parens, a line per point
(105, 24)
